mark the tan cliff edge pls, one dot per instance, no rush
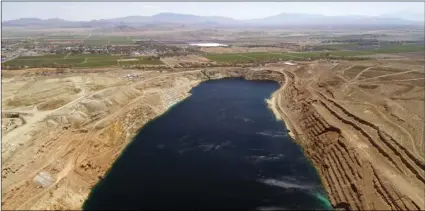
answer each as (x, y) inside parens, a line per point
(361, 165)
(373, 190)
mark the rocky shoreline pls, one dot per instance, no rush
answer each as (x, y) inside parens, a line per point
(365, 173)
(354, 178)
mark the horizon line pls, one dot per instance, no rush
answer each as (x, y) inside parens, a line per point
(236, 19)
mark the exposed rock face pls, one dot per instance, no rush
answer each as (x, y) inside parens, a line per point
(366, 146)
(362, 166)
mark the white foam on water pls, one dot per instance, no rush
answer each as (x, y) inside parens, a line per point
(206, 147)
(288, 183)
(285, 184)
(272, 134)
(226, 143)
(245, 119)
(184, 137)
(267, 158)
(325, 200)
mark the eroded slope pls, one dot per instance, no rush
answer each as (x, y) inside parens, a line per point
(361, 124)
(367, 147)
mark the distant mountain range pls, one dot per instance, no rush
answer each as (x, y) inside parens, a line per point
(284, 19)
(407, 15)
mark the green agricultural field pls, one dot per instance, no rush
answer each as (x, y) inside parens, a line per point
(258, 56)
(350, 53)
(302, 55)
(263, 56)
(251, 56)
(339, 46)
(96, 60)
(94, 56)
(48, 56)
(42, 62)
(400, 49)
(140, 61)
(80, 60)
(228, 57)
(46, 60)
(106, 62)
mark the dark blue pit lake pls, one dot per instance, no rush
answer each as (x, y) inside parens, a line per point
(221, 148)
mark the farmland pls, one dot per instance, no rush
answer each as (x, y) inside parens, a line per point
(105, 60)
(400, 49)
(236, 57)
(255, 56)
(90, 60)
(242, 57)
(139, 61)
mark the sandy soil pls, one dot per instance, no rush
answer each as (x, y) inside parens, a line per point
(360, 123)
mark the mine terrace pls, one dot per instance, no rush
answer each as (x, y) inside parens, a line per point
(73, 98)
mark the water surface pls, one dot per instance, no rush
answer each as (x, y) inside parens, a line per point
(220, 148)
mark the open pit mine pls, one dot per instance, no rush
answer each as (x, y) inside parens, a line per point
(360, 123)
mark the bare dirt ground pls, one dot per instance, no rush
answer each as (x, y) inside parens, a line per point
(68, 128)
(361, 123)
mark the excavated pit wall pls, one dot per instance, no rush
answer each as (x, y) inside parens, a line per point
(316, 122)
(327, 131)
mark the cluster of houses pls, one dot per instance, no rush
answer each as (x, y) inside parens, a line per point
(141, 48)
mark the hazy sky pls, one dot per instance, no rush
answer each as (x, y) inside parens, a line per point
(238, 10)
